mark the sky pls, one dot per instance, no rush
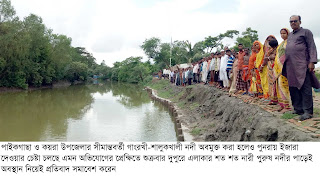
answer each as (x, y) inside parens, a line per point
(113, 30)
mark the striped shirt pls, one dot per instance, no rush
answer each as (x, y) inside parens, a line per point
(230, 62)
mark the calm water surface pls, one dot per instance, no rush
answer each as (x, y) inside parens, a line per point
(107, 112)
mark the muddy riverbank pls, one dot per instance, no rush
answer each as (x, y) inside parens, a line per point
(211, 115)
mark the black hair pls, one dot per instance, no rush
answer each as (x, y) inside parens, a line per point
(273, 43)
(298, 17)
(228, 50)
(240, 44)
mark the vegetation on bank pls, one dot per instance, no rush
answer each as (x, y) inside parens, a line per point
(32, 55)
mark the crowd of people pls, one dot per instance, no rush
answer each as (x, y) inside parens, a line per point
(278, 74)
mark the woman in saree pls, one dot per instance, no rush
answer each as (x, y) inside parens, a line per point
(281, 82)
(269, 58)
(245, 71)
(262, 66)
(255, 87)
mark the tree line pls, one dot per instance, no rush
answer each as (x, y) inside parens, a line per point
(32, 55)
(184, 52)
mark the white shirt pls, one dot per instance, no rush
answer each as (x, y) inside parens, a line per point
(212, 64)
(196, 68)
(217, 66)
(205, 66)
(223, 63)
(166, 72)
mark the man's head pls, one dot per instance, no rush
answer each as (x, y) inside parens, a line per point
(295, 21)
(246, 51)
(236, 55)
(240, 46)
(222, 53)
(228, 52)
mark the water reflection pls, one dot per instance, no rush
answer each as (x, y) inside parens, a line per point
(107, 112)
(130, 95)
(28, 115)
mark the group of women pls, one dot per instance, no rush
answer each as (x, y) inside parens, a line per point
(266, 64)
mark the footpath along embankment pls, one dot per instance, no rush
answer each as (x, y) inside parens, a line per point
(210, 114)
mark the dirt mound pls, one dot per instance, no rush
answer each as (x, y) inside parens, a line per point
(212, 115)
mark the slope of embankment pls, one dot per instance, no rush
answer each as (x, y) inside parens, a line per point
(211, 115)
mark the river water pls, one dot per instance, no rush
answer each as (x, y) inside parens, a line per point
(107, 112)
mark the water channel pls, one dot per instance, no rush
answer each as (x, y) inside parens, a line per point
(106, 112)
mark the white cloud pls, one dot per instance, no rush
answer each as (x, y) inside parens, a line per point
(114, 30)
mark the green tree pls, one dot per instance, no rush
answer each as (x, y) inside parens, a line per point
(77, 71)
(38, 64)
(163, 58)
(14, 50)
(7, 12)
(151, 47)
(103, 71)
(214, 42)
(61, 55)
(247, 38)
(179, 52)
(80, 54)
(30, 54)
(131, 70)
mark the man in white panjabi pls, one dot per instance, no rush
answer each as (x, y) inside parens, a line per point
(204, 70)
(223, 71)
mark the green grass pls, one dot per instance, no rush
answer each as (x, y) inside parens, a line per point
(192, 94)
(288, 116)
(181, 104)
(194, 105)
(178, 96)
(316, 112)
(196, 131)
(166, 93)
(160, 87)
(161, 84)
